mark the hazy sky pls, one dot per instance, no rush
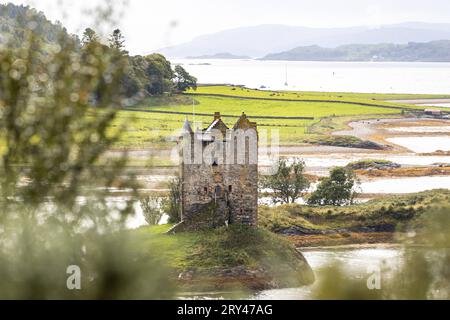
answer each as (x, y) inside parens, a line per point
(152, 24)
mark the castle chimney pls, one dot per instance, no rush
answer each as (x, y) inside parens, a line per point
(217, 116)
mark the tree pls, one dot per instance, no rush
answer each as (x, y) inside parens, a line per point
(335, 190)
(288, 183)
(151, 208)
(172, 205)
(117, 42)
(183, 80)
(135, 81)
(89, 36)
(159, 73)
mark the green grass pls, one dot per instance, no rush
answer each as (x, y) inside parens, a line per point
(150, 130)
(154, 129)
(393, 210)
(172, 250)
(235, 106)
(311, 95)
(224, 249)
(221, 248)
(370, 164)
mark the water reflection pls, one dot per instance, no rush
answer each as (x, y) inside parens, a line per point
(355, 262)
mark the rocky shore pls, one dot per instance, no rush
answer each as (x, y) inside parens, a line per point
(294, 274)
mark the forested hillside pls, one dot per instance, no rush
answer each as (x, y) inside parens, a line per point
(143, 75)
(16, 22)
(434, 51)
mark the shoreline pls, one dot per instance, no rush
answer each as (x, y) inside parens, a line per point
(354, 246)
(343, 239)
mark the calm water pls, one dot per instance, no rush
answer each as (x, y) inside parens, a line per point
(406, 185)
(355, 262)
(339, 159)
(423, 129)
(380, 77)
(423, 144)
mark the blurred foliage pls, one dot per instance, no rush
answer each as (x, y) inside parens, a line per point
(426, 270)
(151, 209)
(56, 105)
(423, 273)
(142, 75)
(17, 21)
(172, 204)
(334, 283)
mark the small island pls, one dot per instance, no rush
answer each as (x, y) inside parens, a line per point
(222, 55)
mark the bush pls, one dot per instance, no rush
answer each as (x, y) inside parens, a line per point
(288, 183)
(151, 209)
(172, 205)
(335, 190)
(372, 164)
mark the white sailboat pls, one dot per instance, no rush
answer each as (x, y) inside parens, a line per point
(286, 83)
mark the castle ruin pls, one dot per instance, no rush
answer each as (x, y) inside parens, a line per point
(219, 174)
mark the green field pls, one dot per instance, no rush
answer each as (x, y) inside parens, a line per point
(312, 95)
(154, 129)
(140, 129)
(253, 107)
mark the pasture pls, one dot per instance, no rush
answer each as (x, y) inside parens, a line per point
(144, 130)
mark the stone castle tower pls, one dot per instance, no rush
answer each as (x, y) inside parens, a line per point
(219, 174)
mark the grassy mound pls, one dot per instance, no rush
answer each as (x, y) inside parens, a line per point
(234, 257)
(379, 215)
(372, 164)
(345, 141)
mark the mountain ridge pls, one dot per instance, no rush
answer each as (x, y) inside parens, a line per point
(433, 51)
(259, 41)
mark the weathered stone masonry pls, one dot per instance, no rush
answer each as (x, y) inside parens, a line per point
(216, 192)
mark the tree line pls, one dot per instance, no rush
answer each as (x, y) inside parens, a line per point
(145, 75)
(289, 184)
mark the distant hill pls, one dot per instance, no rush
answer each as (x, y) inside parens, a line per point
(224, 55)
(435, 51)
(16, 21)
(259, 41)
